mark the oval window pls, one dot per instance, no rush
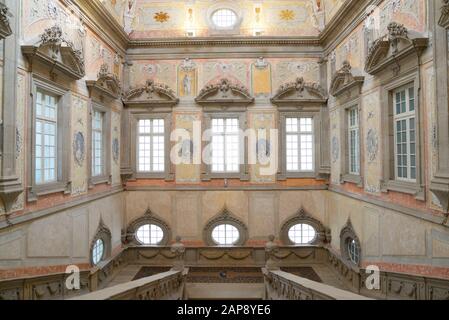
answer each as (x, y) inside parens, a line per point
(150, 234)
(224, 18)
(225, 234)
(98, 251)
(302, 234)
(353, 251)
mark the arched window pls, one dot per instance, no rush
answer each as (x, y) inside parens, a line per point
(225, 234)
(150, 234)
(302, 233)
(100, 248)
(225, 230)
(350, 245)
(303, 229)
(224, 18)
(148, 230)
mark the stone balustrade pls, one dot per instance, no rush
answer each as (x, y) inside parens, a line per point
(163, 286)
(281, 285)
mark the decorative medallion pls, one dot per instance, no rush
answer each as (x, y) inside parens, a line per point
(372, 145)
(335, 149)
(115, 150)
(287, 15)
(161, 17)
(79, 148)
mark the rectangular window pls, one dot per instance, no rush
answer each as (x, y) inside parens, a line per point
(225, 145)
(46, 124)
(98, 167)
(405, 134)
(151, 145)
(299, 144)
(354, 141)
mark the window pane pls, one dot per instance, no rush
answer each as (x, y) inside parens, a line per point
(150, 234)
(224, 18)
(302, 234)
(151, 145)
(225, 145)
(45, 139)
(97, 144)
(225, 234)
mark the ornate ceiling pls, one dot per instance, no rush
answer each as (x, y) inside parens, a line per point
(143, 19)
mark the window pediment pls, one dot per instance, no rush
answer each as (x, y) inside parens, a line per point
(444, 19)
(5, 28)
(390, 49)
(106, 84)
(151, 93)
(299, 92)
(344, 80)
(58, 53)
(224, 93)
(225, 217)
(149, 217)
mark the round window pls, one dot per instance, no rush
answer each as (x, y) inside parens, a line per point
(149, 234)
(225, 234)
(353, 251)
(224, 18)
(302, 234)
(98, 251)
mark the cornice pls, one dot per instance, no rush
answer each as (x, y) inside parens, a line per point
(225, 42)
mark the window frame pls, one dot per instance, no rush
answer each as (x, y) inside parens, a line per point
(168, 167)
(347, 176)
(283, 174)
(64, 153)
(389, 182)
(106, 176)
(242, 174)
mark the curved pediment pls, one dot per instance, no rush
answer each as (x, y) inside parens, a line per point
(5, 28)
(344, 80)
(58, 53)
(444, 19)
(224, 92)
(151, 93)
(393, 47)
(106, 84)
(299, 91)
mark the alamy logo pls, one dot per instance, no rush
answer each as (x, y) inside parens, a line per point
(73, 279)
(372, 282)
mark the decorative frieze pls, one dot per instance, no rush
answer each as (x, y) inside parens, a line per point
(58, 53)
(224, 92)
(5, 28)
(392, 48)
(106, 84)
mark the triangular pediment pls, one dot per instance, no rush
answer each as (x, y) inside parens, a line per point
(224, 93)
(299, 92)
(106, 84)
(5, 27)
(344, 80)
(58, 53)
(151, 93)
(390, 49)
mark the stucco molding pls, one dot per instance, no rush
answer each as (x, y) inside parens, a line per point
(149, 217)
(224, 92)
(392, 48)
(444, 19)
(344, 80)
(107, 84)
(299, 92)
(225, 217)
(58, 53)
(151, 94)
(323, 234)
(5, 27)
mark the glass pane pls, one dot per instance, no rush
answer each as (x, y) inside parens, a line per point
(225, 234)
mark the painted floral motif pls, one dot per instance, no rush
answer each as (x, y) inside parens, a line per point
(161, 17)
(115, 150)
(372, 145)
(335, 149)
(79, 148)
(287, 15)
